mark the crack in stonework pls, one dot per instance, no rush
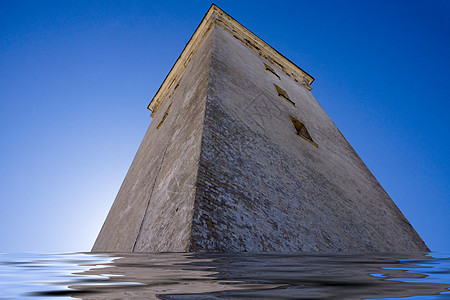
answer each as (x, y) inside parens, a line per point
(149, 198)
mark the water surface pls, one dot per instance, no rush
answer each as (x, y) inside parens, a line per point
(224, 276)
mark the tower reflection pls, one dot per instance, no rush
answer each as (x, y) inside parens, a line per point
(242, 275)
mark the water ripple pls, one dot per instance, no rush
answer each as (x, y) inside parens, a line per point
(224, 276)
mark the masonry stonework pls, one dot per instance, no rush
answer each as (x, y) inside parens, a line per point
(227, 170)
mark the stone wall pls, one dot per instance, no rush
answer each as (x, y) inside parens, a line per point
(240, 157)
(153, 209)
(261, 187)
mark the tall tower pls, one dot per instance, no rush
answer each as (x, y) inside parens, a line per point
(240, 156)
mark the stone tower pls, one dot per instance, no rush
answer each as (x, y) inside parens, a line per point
(240, 156)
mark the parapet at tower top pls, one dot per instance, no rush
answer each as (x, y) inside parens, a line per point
(217, 17)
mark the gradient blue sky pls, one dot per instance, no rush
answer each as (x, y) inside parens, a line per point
(76, 77)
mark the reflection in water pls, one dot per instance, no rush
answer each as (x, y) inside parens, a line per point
(232, 275)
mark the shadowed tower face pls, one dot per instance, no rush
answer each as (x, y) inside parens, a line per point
(239, 156)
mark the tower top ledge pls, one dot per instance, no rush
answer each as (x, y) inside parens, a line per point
(216, 16)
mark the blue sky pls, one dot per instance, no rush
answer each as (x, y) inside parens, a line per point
(76, 77)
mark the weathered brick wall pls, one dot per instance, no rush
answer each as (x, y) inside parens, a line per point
(153, 209)
(263, 188)
(224, 170)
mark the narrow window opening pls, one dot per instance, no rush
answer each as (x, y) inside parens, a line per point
(164, 117)
(188, 59)
(282, 93)
(174, 89)
(269, 68)
(302, 131)
(171, 84)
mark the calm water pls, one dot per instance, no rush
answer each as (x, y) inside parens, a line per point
(224, 276)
